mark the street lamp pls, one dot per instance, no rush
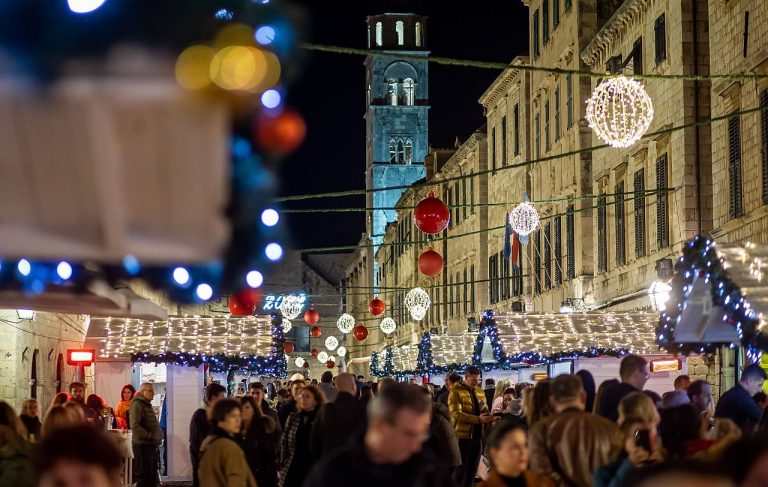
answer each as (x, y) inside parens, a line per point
(659, 294)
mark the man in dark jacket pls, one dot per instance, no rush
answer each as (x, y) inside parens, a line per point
(146, 437)
(258, 392)
(490, 391)
(390, 452)
(737, 403)
(634, 373)
(199, 426)
(450, 380)
(443, 443)
(338, 421)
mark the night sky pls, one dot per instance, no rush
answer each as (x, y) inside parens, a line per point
(331, 97)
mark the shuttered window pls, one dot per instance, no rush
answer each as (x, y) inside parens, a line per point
(537, 262)
(662, 203)
(570, 241)
(493, 148)
(558, 244)
(517, 129)
(569, 98)
(764, 140)
(547, 129)
(503, 141)
(457, 295)
(536, 34)
(472, 191)
(472, 288)
(545, 20)
(505, 272)
(466, 292)
(660, 36)
(492, 277)
(548, 256)
(639, 189)
(568, 5)
(557, 111)
(537, 123)
(602, 235)
(734, 167)
(465, 206)
(621, 232)
(555, 14)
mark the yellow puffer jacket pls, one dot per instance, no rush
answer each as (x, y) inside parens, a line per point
(460, 406)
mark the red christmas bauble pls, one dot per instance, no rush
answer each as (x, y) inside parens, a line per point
(238, 308)
(430, 263)
(288, 347)
(250, 297)
(314, 352)
(311, 316)
(281, 134)
(360, 332)
(330, 364)
(431, 215)
(316, 331)
(376, 306)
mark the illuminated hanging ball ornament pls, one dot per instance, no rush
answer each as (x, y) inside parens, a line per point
(250, 297)
(524, 219)
(331, 343)
(291, 306)
(417, 302)
(619, 111)
(430, 263)
(377, 306)
(84, 6)
(431, 215)
(388, 325)
(313, 353)
(288, 347)
(300, 362)
(360, 333)
(345, 323)
(287, 325)
(330, 364)
(342, 351)
(322, 357)
(316, 332)
(282, 133)
(311, 316)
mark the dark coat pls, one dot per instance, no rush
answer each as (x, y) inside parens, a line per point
(145, 427)
(285, 411)
(222, 462)
(33, 425)
(295, 453)
(737, 405)
(609, 403)
(16, 468)
(351, 466)
(261, 444)
(442, 440)
(336, 423)
(199, 427)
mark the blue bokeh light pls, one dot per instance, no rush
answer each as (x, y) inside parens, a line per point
(131, 265)
(273, 251)
(24, 267)
(265, 35)
(64, 270)
(181, 276)
(270, 217)
(84, 6)
(254, 279)
(271, 99)
(204, 291)
(224, 14)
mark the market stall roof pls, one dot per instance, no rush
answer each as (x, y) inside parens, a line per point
(435, 354)
(253, 342)
(718, 296)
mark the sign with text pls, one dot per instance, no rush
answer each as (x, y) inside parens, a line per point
(272, 302)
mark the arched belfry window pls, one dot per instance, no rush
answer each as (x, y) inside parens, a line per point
(408, 91)
(392, 91)
(400, 30)
(408, 150)
(379, 40)
(392, 151)
(418, 34)
(400, 151)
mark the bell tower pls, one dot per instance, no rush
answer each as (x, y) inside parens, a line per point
(396, 115)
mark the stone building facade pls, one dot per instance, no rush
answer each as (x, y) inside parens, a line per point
(634, 228)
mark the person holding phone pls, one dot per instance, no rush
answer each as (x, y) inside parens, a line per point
(640, 449)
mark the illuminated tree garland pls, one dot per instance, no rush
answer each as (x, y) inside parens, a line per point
(700, 260)
(273, 365)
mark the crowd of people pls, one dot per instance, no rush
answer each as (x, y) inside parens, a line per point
(562, 431)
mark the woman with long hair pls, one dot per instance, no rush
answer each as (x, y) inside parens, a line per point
(222, 461)
(62, 417)
(507, 450)
(261, 442)
(15, 459)
(30, 416)
(121, 412)
(59, 399)
(105, 415)
(536, 405)
(296, 457)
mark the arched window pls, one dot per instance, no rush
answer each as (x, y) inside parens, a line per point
(400, 151)
(33, 376)
(408, 150)
(392, 151)
(59, 372)
(418, 33)
(379, 41)
(408, 90)
(392, 91)
(400, 29)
